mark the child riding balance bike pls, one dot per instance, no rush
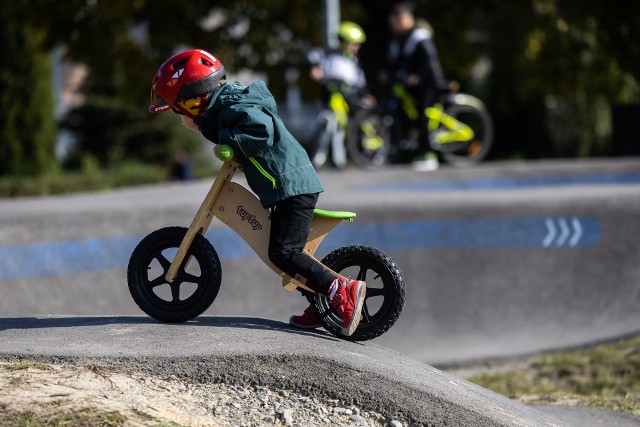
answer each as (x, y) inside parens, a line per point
(281, 224)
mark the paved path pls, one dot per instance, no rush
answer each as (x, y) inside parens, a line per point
(587, 417)
(500, 260)
(266, 352)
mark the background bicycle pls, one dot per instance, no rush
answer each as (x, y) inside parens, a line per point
(460, 129)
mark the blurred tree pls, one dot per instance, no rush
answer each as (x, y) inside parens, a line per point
(27, 124)
(113, 132)
(125, 41)
(583, 57)
(549, 70)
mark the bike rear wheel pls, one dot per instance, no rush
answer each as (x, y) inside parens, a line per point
(385, 296)
(367, 139)
(472, 112)
(195, 286)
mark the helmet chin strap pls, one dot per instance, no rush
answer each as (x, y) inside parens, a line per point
(202, 107)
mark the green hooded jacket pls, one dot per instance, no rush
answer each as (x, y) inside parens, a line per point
(274, 162)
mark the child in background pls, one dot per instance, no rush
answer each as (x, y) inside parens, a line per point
(339, 72)
(276, 166)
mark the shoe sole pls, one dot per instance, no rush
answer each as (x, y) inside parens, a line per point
(357, 313)
(301, 326)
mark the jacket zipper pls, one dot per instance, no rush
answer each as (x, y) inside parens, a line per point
(263, 171)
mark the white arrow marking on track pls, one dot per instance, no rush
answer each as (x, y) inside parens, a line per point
(564, 232)
(551, 234)
(578, 232)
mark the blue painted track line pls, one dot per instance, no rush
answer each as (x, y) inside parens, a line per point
(61, 258)
(510, 183)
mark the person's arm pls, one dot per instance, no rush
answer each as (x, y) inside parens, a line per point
(314, 59)
(429, 63)
(387, 73)
(250, 130)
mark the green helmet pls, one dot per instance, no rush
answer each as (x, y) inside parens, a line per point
(350, 32)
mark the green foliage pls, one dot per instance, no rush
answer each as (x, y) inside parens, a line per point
(111, 132)
(28, 364)
(90, 178)
(87, 417)
(125, 41)
(557, 59)
(27, 125)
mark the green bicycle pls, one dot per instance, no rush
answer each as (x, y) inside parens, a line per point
(459, 126)
(347, 130)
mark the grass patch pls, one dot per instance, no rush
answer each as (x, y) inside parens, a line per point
(606, 376)
(146, 417)
(88, 417)
(28, 364)
(90, 179)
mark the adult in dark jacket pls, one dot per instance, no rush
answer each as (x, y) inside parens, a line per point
(412, 59)
(276, 166)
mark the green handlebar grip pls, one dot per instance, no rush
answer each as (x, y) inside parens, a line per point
(225, 152)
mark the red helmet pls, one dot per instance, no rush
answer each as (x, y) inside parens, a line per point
(191, 73)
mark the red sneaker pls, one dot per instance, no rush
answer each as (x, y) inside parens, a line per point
(347, 302)
(308, 320)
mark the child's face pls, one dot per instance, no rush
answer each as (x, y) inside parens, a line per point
(189, 123)
(353, 48)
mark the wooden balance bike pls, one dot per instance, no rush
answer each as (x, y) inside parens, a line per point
(174, 273)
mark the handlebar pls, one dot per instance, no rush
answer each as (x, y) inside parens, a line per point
(225, 152)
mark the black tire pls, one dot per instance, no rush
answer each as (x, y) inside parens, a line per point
(472, 112)
(148, 259)
(358, 143)
(386, 282)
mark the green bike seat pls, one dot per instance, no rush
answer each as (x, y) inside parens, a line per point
(349, 216)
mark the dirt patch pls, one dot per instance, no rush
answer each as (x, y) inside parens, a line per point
(37, 394)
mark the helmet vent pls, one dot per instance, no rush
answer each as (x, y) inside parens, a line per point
(179, 64)
(205, 61)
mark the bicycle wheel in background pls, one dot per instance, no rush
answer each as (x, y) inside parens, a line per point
(367, 139)
(472, 112)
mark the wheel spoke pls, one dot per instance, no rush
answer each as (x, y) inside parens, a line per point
(187, 277)
(362, 274)
(156, 282)
(365, 313)
(175, 292)
(374, 292)
(164, 262)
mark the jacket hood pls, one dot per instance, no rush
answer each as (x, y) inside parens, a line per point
(233, 93)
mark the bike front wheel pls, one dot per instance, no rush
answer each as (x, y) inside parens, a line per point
(196, 283)
(472, 112)
(367, 139)
(385, 296)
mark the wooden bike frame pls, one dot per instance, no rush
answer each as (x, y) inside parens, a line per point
(239, 209)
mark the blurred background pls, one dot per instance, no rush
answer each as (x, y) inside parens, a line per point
(560, 77)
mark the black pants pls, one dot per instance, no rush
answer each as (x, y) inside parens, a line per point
(290, 220)
(425, 96)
